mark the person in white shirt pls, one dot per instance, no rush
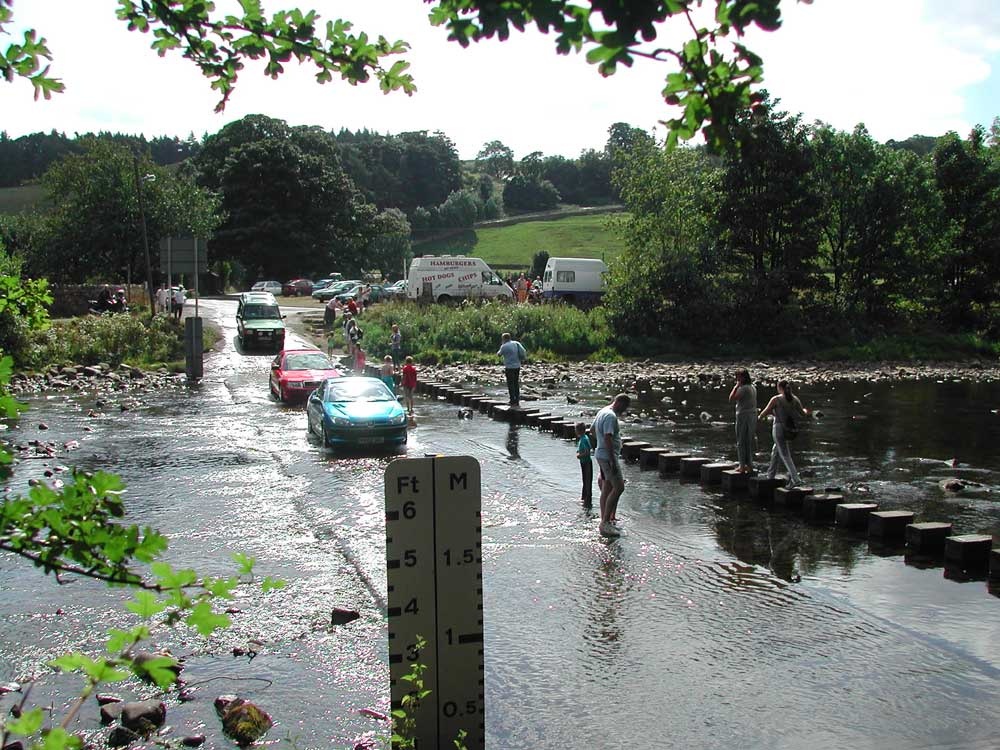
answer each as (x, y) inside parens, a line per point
(178, 299)
(161, 300)
(513, 355)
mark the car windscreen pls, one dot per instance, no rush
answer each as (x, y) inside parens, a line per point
(261, 312)
(310, 361)
(352, 389)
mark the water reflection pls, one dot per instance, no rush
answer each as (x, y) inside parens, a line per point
(512, 442)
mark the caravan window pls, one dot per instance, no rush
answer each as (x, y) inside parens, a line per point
(566, 277)
(548, 276)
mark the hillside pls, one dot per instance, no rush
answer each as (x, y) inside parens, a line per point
(514, 245)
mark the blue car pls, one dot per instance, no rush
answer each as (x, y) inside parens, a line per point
(356, 412)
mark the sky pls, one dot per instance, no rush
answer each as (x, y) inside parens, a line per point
(902, 67)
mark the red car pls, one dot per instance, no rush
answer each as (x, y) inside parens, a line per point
(295, 373)
(297, 288)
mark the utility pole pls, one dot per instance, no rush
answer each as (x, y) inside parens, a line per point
(145, 235)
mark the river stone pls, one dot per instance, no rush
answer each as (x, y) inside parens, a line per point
(110, 712)
(143, 657)
(341, 616)
(122, 736)
(193, 740)
(243, 721)
(16, 745)
(143, 716)
(9, 687)
(104, 699)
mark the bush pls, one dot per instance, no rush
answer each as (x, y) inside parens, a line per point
(471, 331)
(108, 338)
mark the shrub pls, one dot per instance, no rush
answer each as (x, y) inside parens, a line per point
(108, 338)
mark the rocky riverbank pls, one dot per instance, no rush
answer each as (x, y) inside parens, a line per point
(648, 375)
(119, 387)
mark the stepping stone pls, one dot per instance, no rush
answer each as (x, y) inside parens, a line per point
(734, 481)
(670, 462)
(711, 473)
(533, 418)
(968, 551)
(889, 524)
(631, 448)
(852, 516)
(822, 507)
(691, 466)
(519, 414)
(791, 497)
(649, 457)
(501, 412)
(927, 538)
(545, 423)
(762, 489)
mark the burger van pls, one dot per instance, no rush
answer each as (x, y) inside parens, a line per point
(579, 281)
(442, 278)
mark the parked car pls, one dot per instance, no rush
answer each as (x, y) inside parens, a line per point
(377, 293)
(259, 321)
(325, 295)
(355, 412)
(323, 284)
(271, 287)
(295, 373)
(297, 288)
(396, 290)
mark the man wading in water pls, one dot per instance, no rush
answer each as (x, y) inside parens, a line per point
(607, 453)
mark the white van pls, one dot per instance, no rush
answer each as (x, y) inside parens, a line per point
(442, 278)
(580, 281)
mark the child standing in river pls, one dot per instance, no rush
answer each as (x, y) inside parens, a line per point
(409, 383)
(388, 373)
(583, 450)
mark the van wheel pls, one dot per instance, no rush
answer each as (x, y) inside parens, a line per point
(444, 299)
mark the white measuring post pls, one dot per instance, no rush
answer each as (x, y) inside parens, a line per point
(433, 526)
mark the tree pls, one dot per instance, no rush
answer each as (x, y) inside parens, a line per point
(969, 181)
(390, 243)
(290, 207)
(93, 230)
(531, 165)
(770, 202)
(522, 193)
(664, 283)
(496, 159)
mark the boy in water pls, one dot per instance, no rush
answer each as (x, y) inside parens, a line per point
(409, 383)
(583, 449)
(388, 373)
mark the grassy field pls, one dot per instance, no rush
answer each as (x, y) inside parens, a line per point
(573, 236)
(14, 200)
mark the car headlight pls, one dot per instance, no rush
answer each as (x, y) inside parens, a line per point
(398, 419)
(341, 421)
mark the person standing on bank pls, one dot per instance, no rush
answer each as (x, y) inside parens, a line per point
(608, 454)
(513, 356)
(784, 408)
(744, 395)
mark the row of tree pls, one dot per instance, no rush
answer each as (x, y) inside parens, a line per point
(808, 234)
(27, 158)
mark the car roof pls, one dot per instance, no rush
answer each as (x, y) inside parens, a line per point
(260, 298)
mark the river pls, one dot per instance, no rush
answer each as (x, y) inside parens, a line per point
(711, 623)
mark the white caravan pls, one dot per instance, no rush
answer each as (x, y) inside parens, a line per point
(441, 278)
(580, 281)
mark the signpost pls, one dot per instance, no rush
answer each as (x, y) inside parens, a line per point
(184, 255)
(435, 578)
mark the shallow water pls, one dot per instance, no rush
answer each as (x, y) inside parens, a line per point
(687, 632)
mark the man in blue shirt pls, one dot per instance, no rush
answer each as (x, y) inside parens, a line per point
(608, 454)
(513, 355)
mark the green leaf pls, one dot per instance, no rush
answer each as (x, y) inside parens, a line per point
(27, 724)
(205, 621)
(145, 605)
(244, 562)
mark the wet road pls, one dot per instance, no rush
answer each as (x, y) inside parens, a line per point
(686, 632)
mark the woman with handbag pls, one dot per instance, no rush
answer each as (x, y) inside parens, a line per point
(784, 408)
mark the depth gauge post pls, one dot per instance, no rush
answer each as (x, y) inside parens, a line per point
(433, 525)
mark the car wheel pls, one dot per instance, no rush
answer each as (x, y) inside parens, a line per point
(326, 436)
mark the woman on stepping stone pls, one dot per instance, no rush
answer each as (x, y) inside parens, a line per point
(784, 408)
(744, 395)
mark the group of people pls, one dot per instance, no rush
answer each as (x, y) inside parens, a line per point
(524, 288)
(602, 441)
(170, 301)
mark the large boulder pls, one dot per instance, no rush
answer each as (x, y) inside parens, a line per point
(242, 720)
